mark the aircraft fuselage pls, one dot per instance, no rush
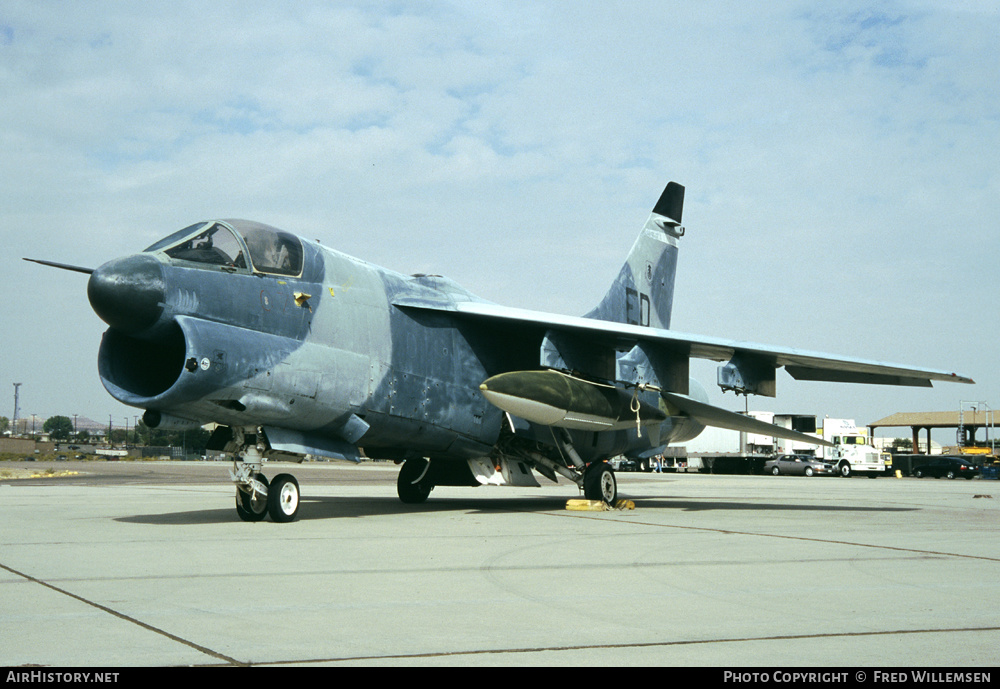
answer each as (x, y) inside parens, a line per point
(323, 352)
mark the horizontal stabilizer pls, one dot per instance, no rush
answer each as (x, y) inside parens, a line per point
(722, 418)
(553, 398)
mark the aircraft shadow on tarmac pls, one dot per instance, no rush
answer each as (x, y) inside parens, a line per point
(356, 507)
(343, 507)
(695, 505)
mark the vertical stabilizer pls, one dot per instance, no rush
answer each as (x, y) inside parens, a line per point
(643, 292)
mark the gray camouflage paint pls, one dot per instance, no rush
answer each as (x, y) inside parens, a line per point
(233, 346)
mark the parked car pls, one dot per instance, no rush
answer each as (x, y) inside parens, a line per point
(798, 465)
(624, 464)
(950, 467)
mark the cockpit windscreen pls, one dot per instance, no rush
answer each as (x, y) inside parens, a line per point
(219, 244)
(272, 250)
(216, 246)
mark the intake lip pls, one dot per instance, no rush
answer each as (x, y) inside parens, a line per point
(128, 293)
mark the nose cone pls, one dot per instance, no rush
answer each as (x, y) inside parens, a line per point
(128, 293)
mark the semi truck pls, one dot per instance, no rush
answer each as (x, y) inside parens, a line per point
(852, 452)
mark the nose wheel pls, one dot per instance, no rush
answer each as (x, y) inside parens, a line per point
(256, 498)
(283, 498)
(251, 498)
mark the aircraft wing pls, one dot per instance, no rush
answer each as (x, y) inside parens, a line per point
(800, 364)
(720, 418)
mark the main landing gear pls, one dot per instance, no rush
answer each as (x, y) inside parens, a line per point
(418, 477)
(412, 484)
(599, 483)
(597, 479)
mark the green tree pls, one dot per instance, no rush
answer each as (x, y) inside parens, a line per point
(902, 445)
(193, 440)
(4, 424)
(59, 427)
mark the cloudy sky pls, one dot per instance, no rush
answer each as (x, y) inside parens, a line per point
(840, 160)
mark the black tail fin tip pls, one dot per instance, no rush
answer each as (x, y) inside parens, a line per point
(643, 292)
(671, 203)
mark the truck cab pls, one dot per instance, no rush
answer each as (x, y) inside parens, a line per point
(852, 452)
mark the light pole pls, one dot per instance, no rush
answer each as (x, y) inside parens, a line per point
(17, 408)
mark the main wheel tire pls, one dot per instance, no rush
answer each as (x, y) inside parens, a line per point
(411, 484)
(250, 506)
(845, 470)
(599, 483)
(918, 473)
(809, 471)
(950, 474)
(283, 498)
(774, 471)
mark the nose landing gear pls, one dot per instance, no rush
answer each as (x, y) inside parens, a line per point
(256, 497)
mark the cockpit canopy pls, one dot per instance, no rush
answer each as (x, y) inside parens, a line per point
(227, 243)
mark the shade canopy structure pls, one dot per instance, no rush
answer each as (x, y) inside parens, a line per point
(965, 422)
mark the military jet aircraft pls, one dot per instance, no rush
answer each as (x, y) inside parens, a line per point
(296, 349)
